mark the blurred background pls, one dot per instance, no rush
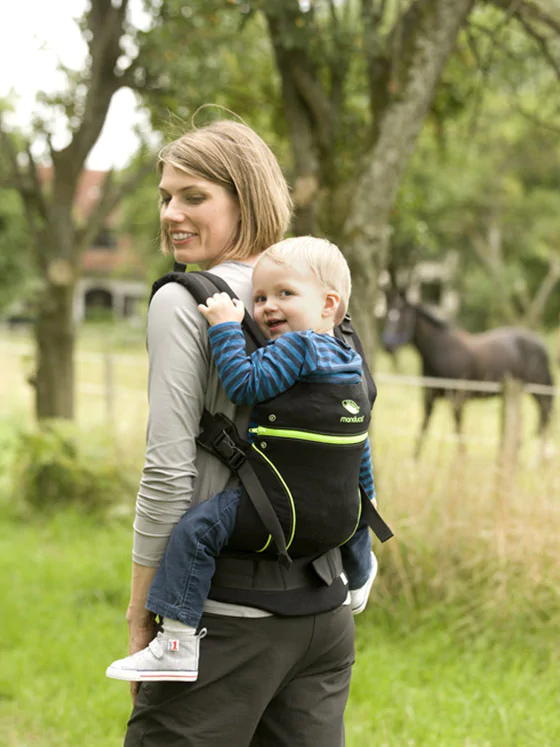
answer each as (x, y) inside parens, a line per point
(421, 136)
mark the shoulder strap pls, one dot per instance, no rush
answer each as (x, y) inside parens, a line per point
(201, 285)
(218, 434)
(345, 331)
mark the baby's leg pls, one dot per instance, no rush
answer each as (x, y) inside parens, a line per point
(182, 582)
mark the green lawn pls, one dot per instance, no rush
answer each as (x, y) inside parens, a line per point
(418, 680)
(458, 648)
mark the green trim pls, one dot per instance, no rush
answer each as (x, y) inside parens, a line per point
(290, 496)
(321, 438)
(357, 520)
(266, 544)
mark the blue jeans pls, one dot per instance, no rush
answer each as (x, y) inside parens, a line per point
(182, 581)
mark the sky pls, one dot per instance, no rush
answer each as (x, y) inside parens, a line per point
(34, 35)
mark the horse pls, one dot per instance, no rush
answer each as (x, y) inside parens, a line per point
(448, 352)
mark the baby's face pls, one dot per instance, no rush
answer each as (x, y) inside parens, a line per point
(286, 300)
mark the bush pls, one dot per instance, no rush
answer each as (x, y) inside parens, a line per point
(53, 469)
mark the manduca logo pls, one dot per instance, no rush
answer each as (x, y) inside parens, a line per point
(351, 406)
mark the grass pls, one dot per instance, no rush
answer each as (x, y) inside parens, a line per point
(458, 647)
(419, 679)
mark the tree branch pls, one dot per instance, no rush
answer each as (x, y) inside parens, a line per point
(549, 282)
(106, 23)
(111, 195)
(33, 201)
(543, 44)
(532, 11)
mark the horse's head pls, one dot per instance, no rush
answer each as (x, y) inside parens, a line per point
(400, 323)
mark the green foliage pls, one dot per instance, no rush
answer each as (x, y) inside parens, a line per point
(16, 270)
(53, 468)
(486, 171)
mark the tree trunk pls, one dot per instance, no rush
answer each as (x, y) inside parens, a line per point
(54, 324)
(305, 177)
(435, 24)
(54, 337)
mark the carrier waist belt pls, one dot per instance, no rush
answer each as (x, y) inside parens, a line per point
(308, 587)
(266, 574)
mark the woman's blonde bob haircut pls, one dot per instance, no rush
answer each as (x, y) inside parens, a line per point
(321, 258)
(232, 155)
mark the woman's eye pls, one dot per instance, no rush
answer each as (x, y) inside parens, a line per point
(164, 199)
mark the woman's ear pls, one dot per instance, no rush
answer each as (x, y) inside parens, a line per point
(331, 305)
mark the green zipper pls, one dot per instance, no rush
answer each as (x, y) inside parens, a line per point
(321, 438)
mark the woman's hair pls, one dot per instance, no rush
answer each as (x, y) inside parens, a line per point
(307, 254)
(233, 155)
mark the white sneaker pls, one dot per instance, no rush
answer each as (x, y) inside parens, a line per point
(359, 597)
(164, 658)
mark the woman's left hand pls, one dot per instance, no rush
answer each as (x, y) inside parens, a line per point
(221, 308)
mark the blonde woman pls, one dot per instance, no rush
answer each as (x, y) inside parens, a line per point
(264, 679)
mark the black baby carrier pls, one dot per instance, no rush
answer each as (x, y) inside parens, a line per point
(302, 497)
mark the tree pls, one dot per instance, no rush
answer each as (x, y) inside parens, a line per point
(403, 53)
(483, 178)
(57, 238)
(401, 49)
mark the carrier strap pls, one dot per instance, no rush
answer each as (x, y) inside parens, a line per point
(219, 436)
(201, 285)
(370, 514)
(345, 331)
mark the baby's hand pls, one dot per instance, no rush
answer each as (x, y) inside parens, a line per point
(221, 308)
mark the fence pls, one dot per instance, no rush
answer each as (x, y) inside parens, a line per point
(510, 390)
(109, 368)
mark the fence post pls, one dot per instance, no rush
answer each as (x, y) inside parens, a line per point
(109, 387)
(510, 424)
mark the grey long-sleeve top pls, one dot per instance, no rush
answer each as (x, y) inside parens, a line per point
(182, 381)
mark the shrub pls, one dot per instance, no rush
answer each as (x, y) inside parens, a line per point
(54, 468)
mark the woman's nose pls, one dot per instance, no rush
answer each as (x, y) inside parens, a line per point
(172, 212)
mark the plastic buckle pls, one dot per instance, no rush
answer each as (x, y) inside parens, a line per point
(228, 450)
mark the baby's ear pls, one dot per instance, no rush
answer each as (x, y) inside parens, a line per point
(332, 303)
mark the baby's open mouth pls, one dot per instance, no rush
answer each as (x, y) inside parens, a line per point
(273, 323)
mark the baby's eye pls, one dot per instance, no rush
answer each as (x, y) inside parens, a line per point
(286, 293)
(259, 299)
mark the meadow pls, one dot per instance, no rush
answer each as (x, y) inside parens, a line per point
(458, 646)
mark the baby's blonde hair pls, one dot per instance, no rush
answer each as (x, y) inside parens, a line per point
(318, 256)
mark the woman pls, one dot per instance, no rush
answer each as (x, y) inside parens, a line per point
(264, 679)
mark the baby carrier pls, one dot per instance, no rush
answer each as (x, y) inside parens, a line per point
(302, 497)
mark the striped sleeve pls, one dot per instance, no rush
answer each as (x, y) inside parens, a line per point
(269, 371)
(366, 472)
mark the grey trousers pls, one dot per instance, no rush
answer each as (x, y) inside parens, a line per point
(263, 682)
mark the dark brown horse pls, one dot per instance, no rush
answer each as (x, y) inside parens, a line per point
(451, 353)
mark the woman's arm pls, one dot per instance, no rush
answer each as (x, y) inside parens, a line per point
(178, 376)
(141, 622)
(179, 361)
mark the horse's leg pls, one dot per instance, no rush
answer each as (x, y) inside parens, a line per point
(457, 403)
(544, 402)
(429, 399)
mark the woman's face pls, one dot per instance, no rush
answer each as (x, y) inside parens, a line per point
(201, 217)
